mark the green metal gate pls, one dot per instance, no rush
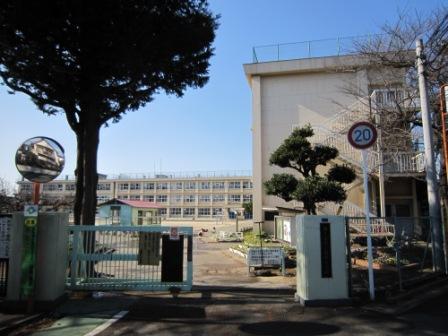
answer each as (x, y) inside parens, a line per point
(108, 258)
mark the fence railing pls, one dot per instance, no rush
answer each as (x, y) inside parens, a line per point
(306, 49)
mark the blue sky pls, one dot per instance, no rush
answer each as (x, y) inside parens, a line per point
(207, 129)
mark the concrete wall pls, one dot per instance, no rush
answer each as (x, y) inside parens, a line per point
(290, 94)
(51, 258)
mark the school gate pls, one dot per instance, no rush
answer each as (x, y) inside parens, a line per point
(147, 258)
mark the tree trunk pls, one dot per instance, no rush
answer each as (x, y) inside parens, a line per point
(79, 172)
(90, 175)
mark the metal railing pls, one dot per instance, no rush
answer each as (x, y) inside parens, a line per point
(126, 258)
(307, 49)
(169, 175)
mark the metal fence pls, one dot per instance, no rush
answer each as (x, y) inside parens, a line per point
(402, 251)
(129, 258)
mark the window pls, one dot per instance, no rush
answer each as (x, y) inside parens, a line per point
(176, 198)
(234, 198)
(162, 198)
(135, 197)
(247, 185)
(204, 198)
(123, 197)
(218, 185)
(123, 186)
(204, 185)
(190, 185)
(162, 186)
(247, 198)
(162, 211)
(218, 198)
(189, 212)
(217, 211)
(52, 187)
(148, 198)
(25, 187)
(203, 212)
(234, 185)
(70, 186)
(175, 212)
(103, 186)
(135, 186)
(176, 186)
(148, 186)
(189, 198)
(102, 198)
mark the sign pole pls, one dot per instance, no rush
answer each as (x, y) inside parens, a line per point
(363, 135)
(369, 228)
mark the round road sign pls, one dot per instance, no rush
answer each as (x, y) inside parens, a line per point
(362, 135)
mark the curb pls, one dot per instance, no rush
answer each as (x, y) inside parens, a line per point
(20, 323)
(407, 305)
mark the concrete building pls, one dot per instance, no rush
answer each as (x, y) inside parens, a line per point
(196, 195)
(296, 90)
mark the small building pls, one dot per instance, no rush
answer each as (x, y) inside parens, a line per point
(126, 212)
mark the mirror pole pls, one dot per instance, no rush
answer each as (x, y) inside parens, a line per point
(36, 193)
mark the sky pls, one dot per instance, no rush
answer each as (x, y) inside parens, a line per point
(208, 129)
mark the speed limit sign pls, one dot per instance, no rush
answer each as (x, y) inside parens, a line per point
(362, 135)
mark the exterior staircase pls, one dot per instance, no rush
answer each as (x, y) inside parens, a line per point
(334, 133)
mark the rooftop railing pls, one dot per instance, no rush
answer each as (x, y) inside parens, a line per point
(306, 49)
(168, 175)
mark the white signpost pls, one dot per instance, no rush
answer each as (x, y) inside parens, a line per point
(363, 135)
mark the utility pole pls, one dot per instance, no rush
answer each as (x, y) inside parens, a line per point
(431, 174)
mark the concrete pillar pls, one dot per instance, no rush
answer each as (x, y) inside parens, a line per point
(256, 149)
(51, 258)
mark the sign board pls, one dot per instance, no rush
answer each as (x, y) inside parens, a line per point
(266, 256)
(149, 248)
(362, 135)
(5, 235)
(174, 233)
(287, 230)
(31, 210)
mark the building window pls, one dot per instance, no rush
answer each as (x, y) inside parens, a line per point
(70, 187)
(247, 198)
(219, 198)
(203, 212)
(123, 186)
(234, 185)
(102, 199)
(162, 198)
(204, 185)
(25, 187)
(162, 186)
(123, 197)
(217, 211)
(135, 186)
(234, 198)
(190, 185)
(135, 197)
(218, 185)
(176, 186)
(175, 212)
(176, 198)
(247, 185)
(103, 186)
(189, 212)
(148, 198)
(148, 186)
(52, 187)
(162, 212)
(204, 198)
(189, 199)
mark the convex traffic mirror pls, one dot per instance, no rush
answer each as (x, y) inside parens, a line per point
(40, 159)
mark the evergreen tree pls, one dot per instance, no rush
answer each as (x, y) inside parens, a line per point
(296, 152)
